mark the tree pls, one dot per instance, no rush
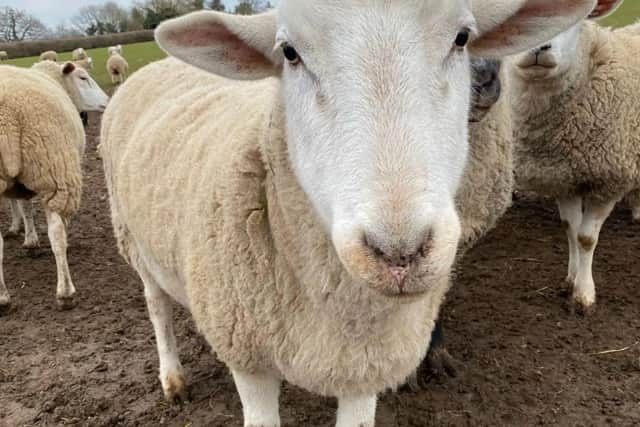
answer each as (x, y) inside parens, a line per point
(18, 25)
(249, 7)
(217, 5)
(197, 4)
(104, 19)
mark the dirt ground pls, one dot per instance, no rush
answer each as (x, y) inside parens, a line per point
(522, 358)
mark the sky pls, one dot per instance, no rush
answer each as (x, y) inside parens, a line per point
(53, 12)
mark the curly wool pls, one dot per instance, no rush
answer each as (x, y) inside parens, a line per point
(584, 140)
(41, 139)
(201, 188)
(486, 190)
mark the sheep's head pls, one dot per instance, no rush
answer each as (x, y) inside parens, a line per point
(376, 95)
(557, 57)
(83, 90)
(485, 87)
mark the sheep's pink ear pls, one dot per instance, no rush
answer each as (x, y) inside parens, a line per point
(233, 46)
(68, 68)
(511, 26)
(605, 8)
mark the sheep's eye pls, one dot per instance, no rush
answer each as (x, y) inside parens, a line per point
(84, 79)
(290, 53)
(462, 38)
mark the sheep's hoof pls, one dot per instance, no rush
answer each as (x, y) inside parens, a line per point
(175, 390)
(66, 303)
(31, 244)
(577, 307)
(5, 305)
(437, 366)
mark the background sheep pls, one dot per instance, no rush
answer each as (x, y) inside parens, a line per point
(578, 139)
(86, 63)
(213, 153)
(114, 49)
(49, 55)
(42, 149)
(117, 67)
(20, 216)
(3, 55)
(78, 54)
(485, 192)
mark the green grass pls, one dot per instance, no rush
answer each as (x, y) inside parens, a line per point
(628, 13)
(137, 55)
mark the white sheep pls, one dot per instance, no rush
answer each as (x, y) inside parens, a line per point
(306, 221)
(41, 149)
(86, 63)
(20, 216)
(114, 49)
(3, 55)
(578, 139)
(49, 55)
(78, 54)
(117, 67)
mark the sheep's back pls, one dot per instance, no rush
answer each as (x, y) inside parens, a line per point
(42, 138)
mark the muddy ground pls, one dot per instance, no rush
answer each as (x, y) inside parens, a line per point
(522, 358)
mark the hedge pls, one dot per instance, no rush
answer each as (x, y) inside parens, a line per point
(36, 47)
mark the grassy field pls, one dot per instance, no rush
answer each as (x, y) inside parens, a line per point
(628, 13)
(137, 55)
(140, 54)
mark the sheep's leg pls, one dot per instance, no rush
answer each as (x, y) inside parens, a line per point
(5, 300)
(16, 219)
(161, 315)
(30, 234)
(360, 412)
(571, 215)
(634, 203)
(259, 395)
(58, 238)
(595, 214)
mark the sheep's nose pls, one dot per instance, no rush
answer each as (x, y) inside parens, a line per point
(398, 256)
(543, 48)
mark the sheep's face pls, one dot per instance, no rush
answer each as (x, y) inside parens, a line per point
(485, 87)
(376, 95)
(551, 60)
(559, 56)
(83, 90)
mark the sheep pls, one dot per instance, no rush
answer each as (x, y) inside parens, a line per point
(114, 49)
(117, 67)
(79, 54)
(485, 193)
(633, 200)
(41, 149)
(306, 221)
(49, 55)
(20, 216)
(577, 135)
(86, 63)
(3, 55)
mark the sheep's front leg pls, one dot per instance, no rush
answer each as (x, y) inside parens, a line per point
(16, 218)
(58, 238)
(5, 300)
(595, 214)
(161, 315)
(571, 215)
(358, 412)
(259, 393)
(30, 234)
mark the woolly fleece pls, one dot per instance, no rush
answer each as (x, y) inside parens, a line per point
(201, 189)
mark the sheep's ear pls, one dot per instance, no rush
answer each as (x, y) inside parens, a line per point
(605, 8)
(68, 68)
(233, 46)
(511, 26)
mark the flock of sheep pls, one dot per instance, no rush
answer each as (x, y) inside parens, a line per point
(307, 203)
